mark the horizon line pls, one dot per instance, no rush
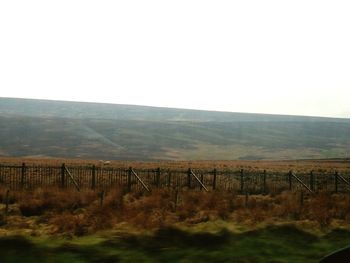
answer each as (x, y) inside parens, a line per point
(175, 108)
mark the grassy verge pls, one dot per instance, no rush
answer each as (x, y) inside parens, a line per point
(53, 225)
(283, 243)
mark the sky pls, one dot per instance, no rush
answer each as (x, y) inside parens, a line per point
(281, 57)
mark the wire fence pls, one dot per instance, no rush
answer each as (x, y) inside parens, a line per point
(21, 177)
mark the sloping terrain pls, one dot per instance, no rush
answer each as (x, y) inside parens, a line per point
(107, 131)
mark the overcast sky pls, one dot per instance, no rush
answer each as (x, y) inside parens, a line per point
(284, 57)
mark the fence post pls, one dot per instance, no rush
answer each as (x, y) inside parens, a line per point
(7, 201)
(176, 200)
(290, 180)
(264, 182)
(336, 182)
(301, 199)
(129, 179)
(169, 179)
(102, 197)
(242, 181)
(312, 181)
(214, 179)
(246, 198)
(201, 187)
(158, 177)
(63, 175)
(93, 177)
(189, 178)
(23, 172)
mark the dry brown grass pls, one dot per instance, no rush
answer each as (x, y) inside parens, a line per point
(79, 213)
(150, 210)
(325, 207)
(39, 201)
(270, 165)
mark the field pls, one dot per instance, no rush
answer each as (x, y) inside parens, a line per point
(57, 224)
(283, 165)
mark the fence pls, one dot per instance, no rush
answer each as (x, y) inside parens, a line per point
(18, 177)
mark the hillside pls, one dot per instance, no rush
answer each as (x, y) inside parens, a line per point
(107, 131)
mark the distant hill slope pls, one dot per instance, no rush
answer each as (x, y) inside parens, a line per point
(108, 131)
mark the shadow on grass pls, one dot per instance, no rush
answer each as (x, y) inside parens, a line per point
(271, 244)
(171, 237)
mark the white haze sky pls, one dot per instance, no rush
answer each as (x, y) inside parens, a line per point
(283, 57)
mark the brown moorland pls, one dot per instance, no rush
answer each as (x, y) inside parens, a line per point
(282, 166)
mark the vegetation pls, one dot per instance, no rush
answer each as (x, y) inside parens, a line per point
(99, 131)
(191, 226)
(60, 226)
(79, 213)
(285, 243)
(166, 225)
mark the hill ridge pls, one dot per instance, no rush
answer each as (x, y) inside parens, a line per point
(113, 131)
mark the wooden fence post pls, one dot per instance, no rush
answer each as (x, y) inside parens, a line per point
(214, 179)
(158, 177)
(129, 179)
(23, 173)
(201, 187)
(242, 181)
(176, 200)
(93, 177)
(169, 179)
(336, 182)
(102, 197)
(189, 175)
(63, 175)
(246, 198)
(312, 181)
(7, 201)
(301, 199)
(290, 180)
(264, 182)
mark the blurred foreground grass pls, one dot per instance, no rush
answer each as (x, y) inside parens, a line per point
(283, 243)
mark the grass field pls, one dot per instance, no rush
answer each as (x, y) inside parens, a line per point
(282, 243)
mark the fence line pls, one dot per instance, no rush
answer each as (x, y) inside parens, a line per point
(18, 177)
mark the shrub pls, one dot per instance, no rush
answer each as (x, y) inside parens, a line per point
(72, 224)
(321, 209)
